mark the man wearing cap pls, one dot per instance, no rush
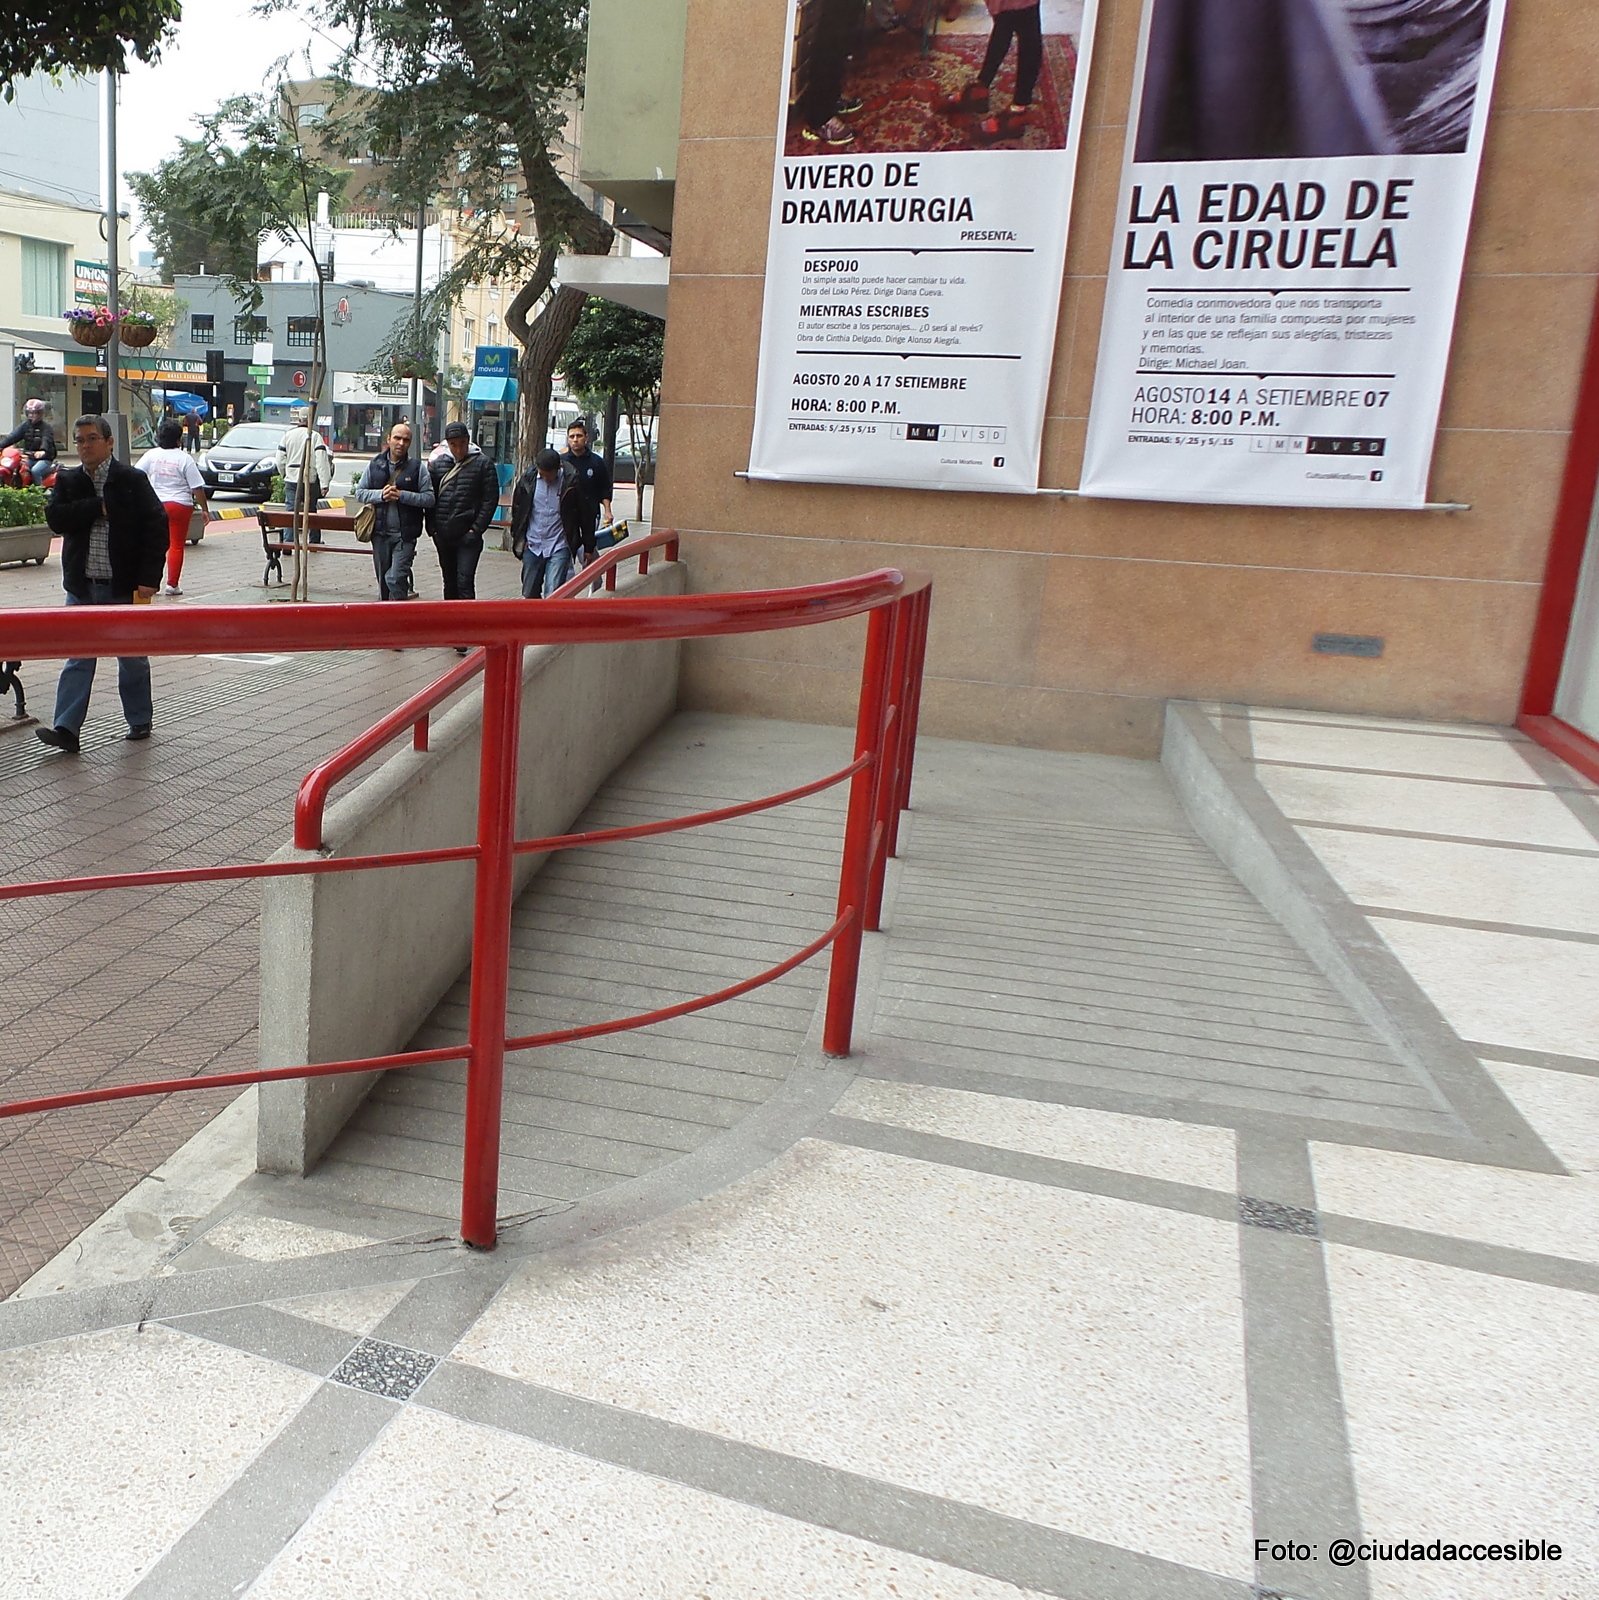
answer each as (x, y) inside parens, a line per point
(466, 494)
(547, 525)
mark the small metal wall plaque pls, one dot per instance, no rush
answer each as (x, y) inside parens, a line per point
(1366, 645)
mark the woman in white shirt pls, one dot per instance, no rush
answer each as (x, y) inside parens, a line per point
(176, 479)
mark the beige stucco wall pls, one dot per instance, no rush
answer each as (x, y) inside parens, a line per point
(1067, 623)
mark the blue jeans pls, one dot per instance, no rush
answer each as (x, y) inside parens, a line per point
(542, 575)
(77, 677)
(392, 558)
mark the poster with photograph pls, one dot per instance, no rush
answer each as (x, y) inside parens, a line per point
(926, 158)
(1295, 203)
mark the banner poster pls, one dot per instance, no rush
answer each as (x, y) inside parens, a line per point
(1295, 201)
(918, 239)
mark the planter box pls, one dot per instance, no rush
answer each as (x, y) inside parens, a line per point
(25, 544)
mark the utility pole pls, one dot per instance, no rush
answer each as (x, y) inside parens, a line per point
(416, 319)
(113, 351)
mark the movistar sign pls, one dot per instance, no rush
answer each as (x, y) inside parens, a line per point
(495, 361)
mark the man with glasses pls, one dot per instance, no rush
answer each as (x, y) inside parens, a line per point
(113, 531)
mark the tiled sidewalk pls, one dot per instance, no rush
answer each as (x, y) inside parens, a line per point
(157, 984)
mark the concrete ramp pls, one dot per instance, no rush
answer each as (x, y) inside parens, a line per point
(1055, 930)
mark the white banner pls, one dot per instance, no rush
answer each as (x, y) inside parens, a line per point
(1295, 202)
(918, 238)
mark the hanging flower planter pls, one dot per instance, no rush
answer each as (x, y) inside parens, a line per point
(90, 332)
(412, 367)
(137, 335)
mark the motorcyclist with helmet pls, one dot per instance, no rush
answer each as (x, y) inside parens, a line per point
(37, 441)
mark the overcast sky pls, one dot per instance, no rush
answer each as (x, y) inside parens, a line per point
(220, 48)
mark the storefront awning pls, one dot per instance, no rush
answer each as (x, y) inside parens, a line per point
(491, 391)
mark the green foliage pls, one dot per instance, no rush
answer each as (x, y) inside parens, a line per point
(245, 176)
(471, 98)
(21, 508)
(616, 350)
(171, 196)
(81, 36)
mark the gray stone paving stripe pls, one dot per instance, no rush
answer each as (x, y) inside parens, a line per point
(1230, 808)
(1233, 723)
(117, 1305)
(1025, 1168)
(1442, 838)
(1522, 930)
(1584, 806)
(1489, 733)
(1574, 790)
(1492, 1260)
(241, 1532)
(436, 1314)
(1278, 1201)
(1547, 1059)
(892, 1065)
(1425, 777)
(263, 1330)
(958, 1535)
(1304, 1478)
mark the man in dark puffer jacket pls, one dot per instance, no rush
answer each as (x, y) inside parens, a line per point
(466, 492)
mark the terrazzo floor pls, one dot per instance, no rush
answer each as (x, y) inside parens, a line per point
(935, 1327)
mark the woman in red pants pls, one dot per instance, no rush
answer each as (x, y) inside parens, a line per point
(176, 478)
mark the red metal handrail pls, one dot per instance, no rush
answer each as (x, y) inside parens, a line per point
(311, 802)
(879, 776)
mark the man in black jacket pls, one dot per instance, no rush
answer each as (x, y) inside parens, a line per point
(547, 527)
(113, 531)
(466, 494)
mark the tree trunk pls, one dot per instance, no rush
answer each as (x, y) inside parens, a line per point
(541, 352)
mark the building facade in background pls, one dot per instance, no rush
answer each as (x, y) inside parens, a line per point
(357, 408)
(1068, 622)
(52, 243)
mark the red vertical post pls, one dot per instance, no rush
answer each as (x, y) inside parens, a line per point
(491, 943)
(921, 616)
(886, 792)
(853, 872)
(904, 670)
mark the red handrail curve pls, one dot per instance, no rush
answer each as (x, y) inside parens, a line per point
(310, 803)
(897, 611)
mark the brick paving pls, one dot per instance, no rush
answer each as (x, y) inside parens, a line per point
(129, 985)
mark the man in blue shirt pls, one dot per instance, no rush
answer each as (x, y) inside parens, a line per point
(548, 526)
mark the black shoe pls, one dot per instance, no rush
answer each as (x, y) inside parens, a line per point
(139, 734)
(62, 739)
(461, 650)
